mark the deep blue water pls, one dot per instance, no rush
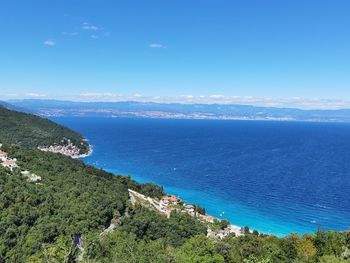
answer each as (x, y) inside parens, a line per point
(277, 177)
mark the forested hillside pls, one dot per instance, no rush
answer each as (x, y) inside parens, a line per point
(71, 198)
(32, 131)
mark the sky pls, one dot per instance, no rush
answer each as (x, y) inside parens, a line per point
(231, 51)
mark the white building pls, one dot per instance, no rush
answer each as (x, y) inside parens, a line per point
(10, 163)
(3, 156)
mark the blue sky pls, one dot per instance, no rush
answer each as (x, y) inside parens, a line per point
(180, 49)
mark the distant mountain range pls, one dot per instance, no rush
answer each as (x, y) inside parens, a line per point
(50, 108)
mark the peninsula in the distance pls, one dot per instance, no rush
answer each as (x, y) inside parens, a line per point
(55, 108)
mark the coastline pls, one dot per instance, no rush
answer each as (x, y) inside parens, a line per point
(170, 203)
(238, 211)
(84, 155)
(231, 228)
(234, 227)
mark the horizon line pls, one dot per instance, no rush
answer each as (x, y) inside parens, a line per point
(345, 104)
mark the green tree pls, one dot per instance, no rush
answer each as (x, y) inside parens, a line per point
(305, 249)
(199, 249)
(329, 243)
(332, 259)
(60, 252)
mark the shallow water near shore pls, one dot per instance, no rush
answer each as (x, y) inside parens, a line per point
(276, 177)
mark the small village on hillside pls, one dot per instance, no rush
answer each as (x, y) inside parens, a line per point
(68, 149)
(11, 164)
(170, 203)
(7, 162)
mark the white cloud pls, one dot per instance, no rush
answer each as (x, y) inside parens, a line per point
(94, 36)
(89, 94)
(87, 26)
(293, 102)
(100, 96)
(217, 96)
(108, 96)
(49, 43)
(35, 95)
(155, 45)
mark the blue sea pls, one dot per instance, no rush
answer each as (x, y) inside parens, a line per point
(276, 177)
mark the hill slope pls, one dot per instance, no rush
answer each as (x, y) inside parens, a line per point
(71, 198)
(32, 131)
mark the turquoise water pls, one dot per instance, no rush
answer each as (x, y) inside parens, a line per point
(276, 177)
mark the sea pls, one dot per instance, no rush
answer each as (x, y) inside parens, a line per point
(275, 177)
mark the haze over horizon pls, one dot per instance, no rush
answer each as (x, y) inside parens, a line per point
(279, 54)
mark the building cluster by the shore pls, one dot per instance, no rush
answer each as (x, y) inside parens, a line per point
(170, 203)
(69, 149)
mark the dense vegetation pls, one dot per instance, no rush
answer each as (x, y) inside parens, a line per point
(32, 131)
(64, 217)
(73, 198)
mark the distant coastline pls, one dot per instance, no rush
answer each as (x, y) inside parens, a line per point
(134, 109)
(84, 155)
